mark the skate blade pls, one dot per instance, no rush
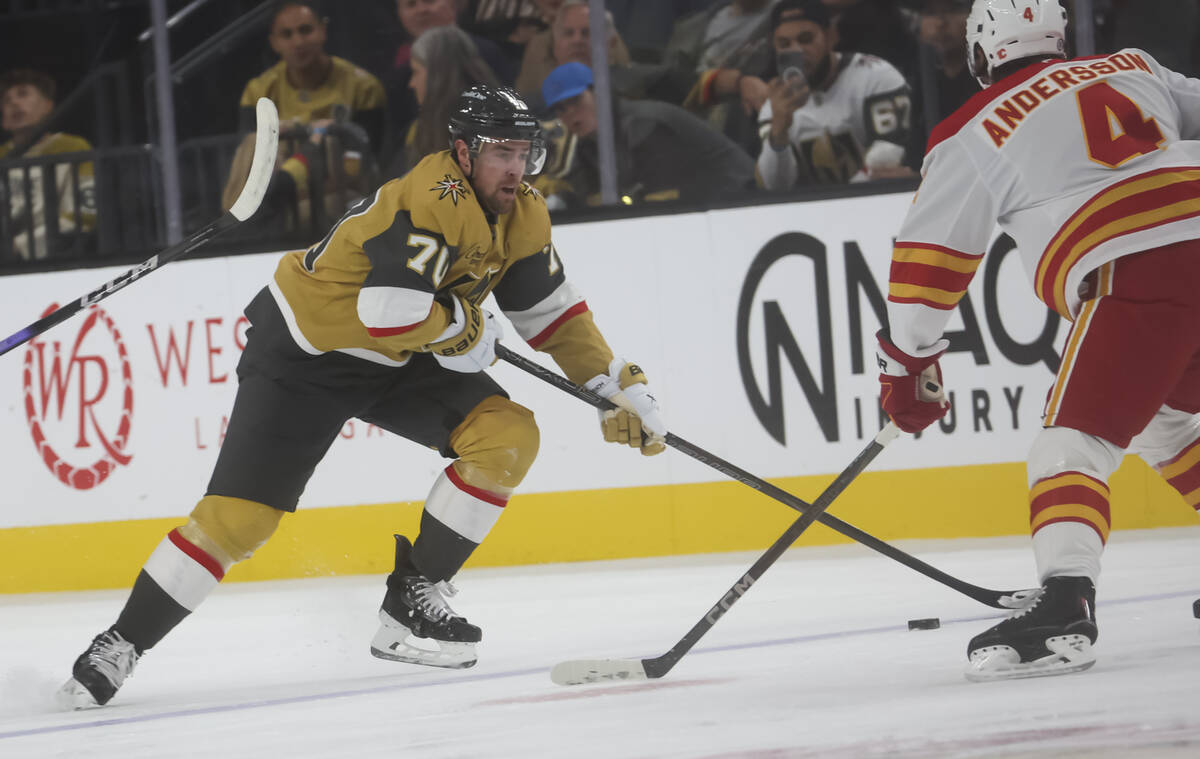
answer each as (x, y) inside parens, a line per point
(72, 696)
(391, 642)
(1069, 654)
(448, 655)
(581, 671)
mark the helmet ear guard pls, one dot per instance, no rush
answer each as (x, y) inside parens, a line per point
(1009, 30)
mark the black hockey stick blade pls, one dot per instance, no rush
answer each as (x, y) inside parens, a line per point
(997, 599)
(596, 670)
(266, 143)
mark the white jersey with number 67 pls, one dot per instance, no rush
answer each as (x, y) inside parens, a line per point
(1081, 161)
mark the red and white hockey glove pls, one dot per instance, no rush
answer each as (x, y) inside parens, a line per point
(637, 419)
(910, 387)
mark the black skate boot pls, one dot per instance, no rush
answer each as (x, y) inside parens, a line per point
(99, 672)
(1051, 636)
(415, 607)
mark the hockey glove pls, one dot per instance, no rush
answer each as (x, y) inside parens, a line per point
(469, 344)
(637, 420)
(910, 387)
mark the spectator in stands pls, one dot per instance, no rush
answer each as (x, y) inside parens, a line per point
(830, 117)
(445, 62)
(549, 10)
(332, 110)
(730, 26)
(508, 23)
(663, 152)
(26, 102)
(417, 17)
(948, 84)
(647, 28)
(876, 27)
(568, 39)
(308, 85)
(727, 46)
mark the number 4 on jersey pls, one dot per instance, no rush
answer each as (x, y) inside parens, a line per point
(1100, 105)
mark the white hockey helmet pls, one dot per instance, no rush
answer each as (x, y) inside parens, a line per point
(1008, 30)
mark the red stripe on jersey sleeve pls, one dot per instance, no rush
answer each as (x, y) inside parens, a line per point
(922, 302)
(390, 331)
(544, 335)
(901, 244)
(924, 275)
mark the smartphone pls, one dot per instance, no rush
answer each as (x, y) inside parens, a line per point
(791, 67)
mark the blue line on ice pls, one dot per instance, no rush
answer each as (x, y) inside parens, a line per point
(502, 675)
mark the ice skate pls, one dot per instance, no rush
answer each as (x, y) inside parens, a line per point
(1052, 636)
(99, 672)
(415, 610)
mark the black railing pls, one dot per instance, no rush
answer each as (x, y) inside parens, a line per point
(81, 207)
(105, 205)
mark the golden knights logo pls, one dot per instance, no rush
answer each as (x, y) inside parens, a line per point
(451, 187)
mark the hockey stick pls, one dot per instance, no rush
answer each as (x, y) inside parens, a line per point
(998, 599)
(266, 143)
(580, 671)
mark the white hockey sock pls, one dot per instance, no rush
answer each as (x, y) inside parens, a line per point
(1067, 548)
(186, 573)
(467, 510)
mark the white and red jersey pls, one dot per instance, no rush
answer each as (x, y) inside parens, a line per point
(1080, 161)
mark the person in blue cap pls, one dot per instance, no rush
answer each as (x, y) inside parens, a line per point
(663, 152)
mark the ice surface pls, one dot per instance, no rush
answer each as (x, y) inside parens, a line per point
(815, 661)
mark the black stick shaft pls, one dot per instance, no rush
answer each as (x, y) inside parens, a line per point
(151, 264)
(983, 595)
(661, 665)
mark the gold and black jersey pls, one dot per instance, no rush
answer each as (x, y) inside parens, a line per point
(347, 85)
(383, 282)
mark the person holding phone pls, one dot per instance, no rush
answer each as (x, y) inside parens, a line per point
(830, 118)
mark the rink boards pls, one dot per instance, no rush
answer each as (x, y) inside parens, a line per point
(754, 325)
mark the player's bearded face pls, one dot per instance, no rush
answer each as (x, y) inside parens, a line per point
(499, 167)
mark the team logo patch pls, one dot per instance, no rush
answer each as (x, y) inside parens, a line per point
(451, 187)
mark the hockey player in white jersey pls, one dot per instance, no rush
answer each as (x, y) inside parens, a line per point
(1093, 166)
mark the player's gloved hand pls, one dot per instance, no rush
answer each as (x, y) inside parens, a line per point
(469, 344)
(637, 420)
(911, 386)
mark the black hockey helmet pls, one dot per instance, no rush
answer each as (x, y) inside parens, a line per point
(497, 114)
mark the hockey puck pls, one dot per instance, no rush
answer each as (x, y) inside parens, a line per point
(1196, 608)
(931, 623)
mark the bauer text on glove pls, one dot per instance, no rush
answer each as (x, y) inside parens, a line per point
(469, 343)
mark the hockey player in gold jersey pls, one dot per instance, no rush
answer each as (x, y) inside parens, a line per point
(381, 321)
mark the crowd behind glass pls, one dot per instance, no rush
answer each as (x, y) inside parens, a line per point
(712, 100)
